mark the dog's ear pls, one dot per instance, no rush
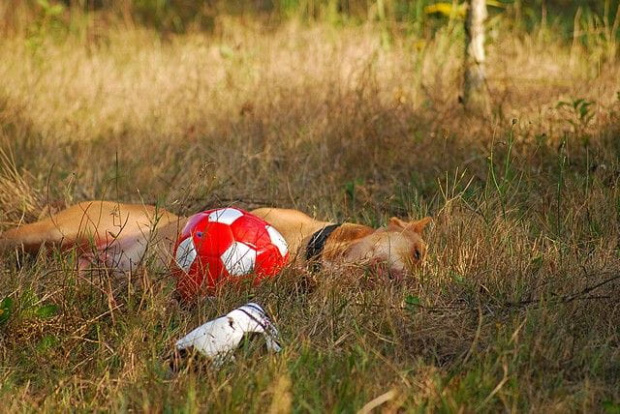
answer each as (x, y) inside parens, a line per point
(416, 226)
(397, 224)
(419, 225)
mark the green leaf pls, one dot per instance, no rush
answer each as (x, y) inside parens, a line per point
(584, 109)
(458, 278)
(47, 311)
(55, 10)
(611, 407)
(349, 188)
(47, 342)
(446, 9)
(412, 303)
(226, 52)
(6, 307)
(412, 300)
(537, 263)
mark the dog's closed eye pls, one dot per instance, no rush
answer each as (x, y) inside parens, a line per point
(417, 254)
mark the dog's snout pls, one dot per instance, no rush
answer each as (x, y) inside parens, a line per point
(386, 270)
(396, 274)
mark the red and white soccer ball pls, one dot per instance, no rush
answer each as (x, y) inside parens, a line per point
(226, 244)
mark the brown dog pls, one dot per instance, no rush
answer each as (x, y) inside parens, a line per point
(399, 246)
(122, 236)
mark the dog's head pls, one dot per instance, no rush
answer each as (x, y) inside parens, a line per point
(397, 247)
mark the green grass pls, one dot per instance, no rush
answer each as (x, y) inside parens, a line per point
(516, 308)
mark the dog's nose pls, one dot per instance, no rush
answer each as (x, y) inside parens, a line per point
(396, 274)
(383, 269)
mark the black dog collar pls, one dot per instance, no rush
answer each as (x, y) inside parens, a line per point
(316, 245)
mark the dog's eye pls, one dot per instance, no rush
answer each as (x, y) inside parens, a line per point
(416, 254)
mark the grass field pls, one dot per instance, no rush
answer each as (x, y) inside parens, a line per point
(516, 309)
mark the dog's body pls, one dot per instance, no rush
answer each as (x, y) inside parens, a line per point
(117, 235)
(122, 236)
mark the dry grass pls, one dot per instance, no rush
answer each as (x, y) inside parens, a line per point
(515, 310)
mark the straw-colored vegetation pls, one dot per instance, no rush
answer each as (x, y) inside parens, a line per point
(517, 306)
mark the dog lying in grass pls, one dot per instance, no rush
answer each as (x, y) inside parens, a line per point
(395, 248)
(123, 236)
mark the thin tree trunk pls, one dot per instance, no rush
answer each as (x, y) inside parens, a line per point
(475, 94)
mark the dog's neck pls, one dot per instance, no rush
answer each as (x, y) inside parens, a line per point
(341, 240)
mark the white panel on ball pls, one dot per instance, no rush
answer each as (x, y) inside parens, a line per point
(277, 240)
(186, 254)
(239, 259)
(225, 215)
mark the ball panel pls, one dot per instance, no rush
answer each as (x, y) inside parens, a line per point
(185, 254)
(214, 240)
(225, 215)
(277, 240)
(214, 272)
(268, 262)
(250, 230)
(239, 259)
(192, 223)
